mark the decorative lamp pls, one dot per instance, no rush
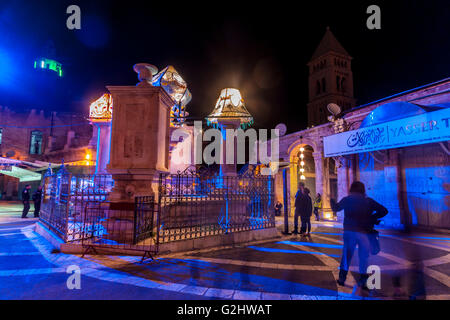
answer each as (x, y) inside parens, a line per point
(230, 106)
(101, 109)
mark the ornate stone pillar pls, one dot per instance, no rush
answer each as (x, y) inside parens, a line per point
(228, 169)
(139, 137)
(320, 174)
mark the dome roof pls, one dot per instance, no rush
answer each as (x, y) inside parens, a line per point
(394, 111)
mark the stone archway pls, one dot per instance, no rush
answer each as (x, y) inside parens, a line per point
(310, 165)
(319, 179)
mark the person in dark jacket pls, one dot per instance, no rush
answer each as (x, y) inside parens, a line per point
(26, 200)
(361, 213)
(306, 213)
(300, 203)
(37, 201)
(278, 207)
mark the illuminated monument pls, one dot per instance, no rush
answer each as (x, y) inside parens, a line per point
(229, 113)
(139, 136)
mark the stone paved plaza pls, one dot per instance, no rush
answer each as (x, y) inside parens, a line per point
(291, 267)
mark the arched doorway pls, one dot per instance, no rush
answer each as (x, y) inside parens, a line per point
(301, 169)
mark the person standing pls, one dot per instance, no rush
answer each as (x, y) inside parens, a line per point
(278, 207)
(37, 196)
(306, 214)
(361, 213)
(300, 202)
(26, 200)
(317, 206)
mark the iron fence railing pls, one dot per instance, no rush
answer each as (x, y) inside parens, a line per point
(64, 198)
(193, 205)
(190, 205)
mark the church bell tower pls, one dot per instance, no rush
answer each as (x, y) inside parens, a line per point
(330, 79)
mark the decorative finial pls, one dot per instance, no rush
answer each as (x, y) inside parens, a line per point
(145, 72)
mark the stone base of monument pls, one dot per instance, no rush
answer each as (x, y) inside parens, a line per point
(221, 240)
(172, 247)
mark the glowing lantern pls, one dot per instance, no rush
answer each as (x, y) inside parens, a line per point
(230, 106)
(302, 177)
(101, 109)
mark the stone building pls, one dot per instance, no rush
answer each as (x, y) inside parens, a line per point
(411, 180)
(35, 139)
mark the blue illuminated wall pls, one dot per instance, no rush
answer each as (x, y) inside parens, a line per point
(426, 174)
(420, 184)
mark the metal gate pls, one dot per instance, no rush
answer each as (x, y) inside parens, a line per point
(121, 229)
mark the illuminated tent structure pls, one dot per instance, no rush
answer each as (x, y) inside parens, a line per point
(171, 81)
(230, 106)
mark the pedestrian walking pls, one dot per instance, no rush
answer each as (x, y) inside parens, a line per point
(306, 214)
(317, 206)
(300, 202)
(26, 200)
(37, 196)
(361, 213)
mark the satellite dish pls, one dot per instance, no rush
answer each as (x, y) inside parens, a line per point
(282, 129)
(334, 109)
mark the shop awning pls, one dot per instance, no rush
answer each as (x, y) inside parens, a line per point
(23, 170)
(393, 125)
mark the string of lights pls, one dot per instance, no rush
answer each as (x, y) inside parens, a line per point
(302, 164)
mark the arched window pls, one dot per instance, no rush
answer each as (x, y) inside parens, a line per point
(318, 87)
(36, 142)
(338, 83)
(324, 86)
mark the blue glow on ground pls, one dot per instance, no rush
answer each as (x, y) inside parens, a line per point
(291, 251)
(210, 275)
(311, 244)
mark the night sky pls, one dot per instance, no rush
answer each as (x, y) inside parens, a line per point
(259, 47)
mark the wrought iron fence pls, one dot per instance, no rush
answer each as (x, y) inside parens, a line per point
(194, 205)
(190, 205)
(65, 196)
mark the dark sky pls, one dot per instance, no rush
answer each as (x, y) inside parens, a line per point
(259, 47)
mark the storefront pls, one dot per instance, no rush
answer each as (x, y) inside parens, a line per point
(401, 153)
